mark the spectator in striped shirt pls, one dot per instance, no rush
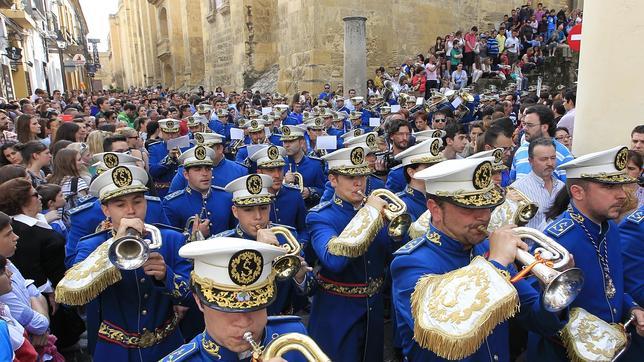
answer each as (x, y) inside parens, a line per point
(538, 122)
(493, 47)
(540, 185)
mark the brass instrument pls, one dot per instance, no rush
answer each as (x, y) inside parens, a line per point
(298, 179)
(560, 287)
(235, 145)
(174, 153)
(286, 343)
(193, 235)
(517, 209)
(287, 265)
(390, 88)
(628, 338)
(395, 212)
(132, 250)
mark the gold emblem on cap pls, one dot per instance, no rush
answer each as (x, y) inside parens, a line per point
(245, 267)
(498, 155)
(286, 131)
(169, 124)
(199, 138)
(357, 156)
(110, 160)
(435, 147)
(621, 159)
(318, 122)
(253, 124)
(254, 184)
(437, 134)
(482, 175)
(191, 119)
(357, 132)
(122, 176)
(273, 153)
(200, 153)
(371, 140)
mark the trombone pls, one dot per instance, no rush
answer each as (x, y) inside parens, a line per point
(560, 287)
(131, 251)
(190, 232)
(286, 343)
(395, 212)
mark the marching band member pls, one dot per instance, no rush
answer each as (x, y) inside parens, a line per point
(594, 183)
(233, 284)
(310, 169)
(257, 134)
(208, 205)
(461, 196)
(163, 163)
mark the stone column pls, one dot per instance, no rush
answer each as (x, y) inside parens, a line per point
(609, 91)
(355, 55)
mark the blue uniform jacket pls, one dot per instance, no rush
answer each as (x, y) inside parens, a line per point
(225, 171)
(138, 302)
(293, 119)
(632, 232)
(85, 218)
(422, 256)
(161, 172)
(415, 201)
(312, 171)
(218, 126)
(356, 322)
(396, 179)
(373, 183)
(286, 289)
(288, 209)
(242, 155)
(180, 205)
(204, 348)
(567, 231)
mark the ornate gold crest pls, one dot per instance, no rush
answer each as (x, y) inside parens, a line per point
(621, 159)
(199, 138)
(110, 160)
(254, 184)
(222, 112)
(498, 155)
(482, 175)
(122, 176)
(371, 140)
(357, 132)
(286, 131)
(200, 153)
(253, 124)
(357, 156)
(435, 147)
(191, 120)
(437, 134)
(245, 267)
(169, 124)
(273, 153)
(318, 122)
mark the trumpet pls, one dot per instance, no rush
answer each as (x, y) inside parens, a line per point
(560, 287)
(132, 250)
(235, 145)
(517, 209)
(298, 179)
(395, 212)
(193, 235)
(287, 265)
(286, 343)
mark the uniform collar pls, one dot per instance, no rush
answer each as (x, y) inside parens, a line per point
(342, 203)
(414, 193)
(591, 226)
(435, 236)
(190, 190)
(242, 234)
(212, 348)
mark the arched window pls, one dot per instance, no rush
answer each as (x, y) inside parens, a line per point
(163, 23)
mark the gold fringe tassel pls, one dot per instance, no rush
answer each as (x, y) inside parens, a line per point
(569, 342)
(457, 347)
(356, 237)
(81, 296)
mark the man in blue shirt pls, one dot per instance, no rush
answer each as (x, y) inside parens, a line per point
(311, 170)
(539, 121)
(326, 93)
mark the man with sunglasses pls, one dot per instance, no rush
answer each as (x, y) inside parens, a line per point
(326, 93)
(439, 119)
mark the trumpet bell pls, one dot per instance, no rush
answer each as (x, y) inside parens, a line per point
(562, 290)
(286, 266)
(129, 253)
(399, 226)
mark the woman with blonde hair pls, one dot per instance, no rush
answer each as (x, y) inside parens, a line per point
(86, 155)
(95, 141)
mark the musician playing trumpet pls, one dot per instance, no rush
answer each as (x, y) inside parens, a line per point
(454, 277)
(140, 313)
(251, 207)
(164, 162)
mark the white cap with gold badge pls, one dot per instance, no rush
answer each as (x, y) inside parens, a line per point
(251, 190)
(607, 166)
(199, 155)
(348, 161)
(430, 133)
(465, 182)
(367, 140)
(497, 154)
(119, 181)
(352, 133)
(232, 274)
(290, 133)
(196, 120)
(254, 125)
(106, 160)
(269, 157)
(426, 152)
(207, 138)
(169, 125)
(316, 123)
(204, 108)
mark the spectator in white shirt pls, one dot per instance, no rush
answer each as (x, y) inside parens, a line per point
(540, 185)
(513, 45)
(568, 120)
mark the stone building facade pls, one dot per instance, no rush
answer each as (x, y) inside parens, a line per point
(182, 44)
